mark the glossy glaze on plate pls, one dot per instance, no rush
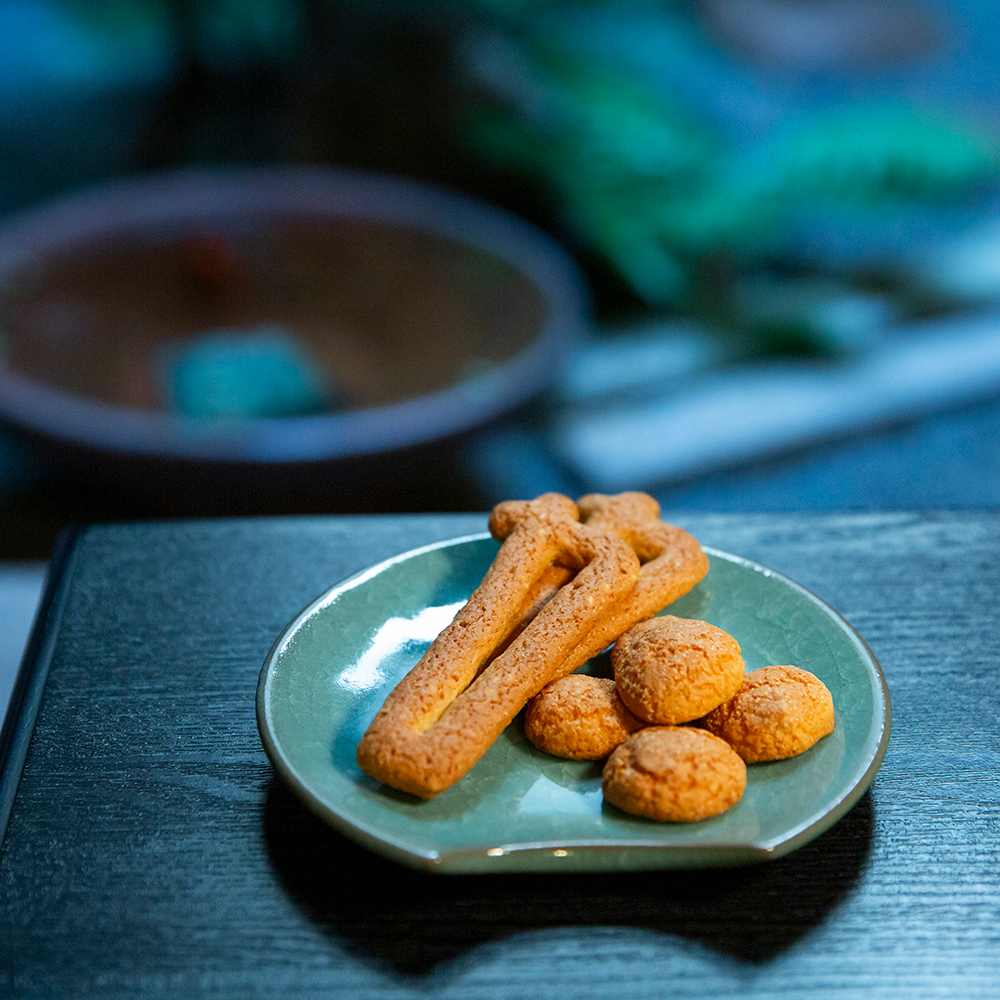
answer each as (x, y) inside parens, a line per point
(520, 809)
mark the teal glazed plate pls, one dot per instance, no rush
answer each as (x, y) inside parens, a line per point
(522, 810)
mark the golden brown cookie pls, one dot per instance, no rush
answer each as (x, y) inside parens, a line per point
(579, 717)
(777, 712)
(671, 670)
(674, 773)
(447, 711)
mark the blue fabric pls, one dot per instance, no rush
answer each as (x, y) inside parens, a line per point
(948, 460)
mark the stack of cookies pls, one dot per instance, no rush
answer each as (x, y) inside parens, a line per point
(571, 578)
(681, 719)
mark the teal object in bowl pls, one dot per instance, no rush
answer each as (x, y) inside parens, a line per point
(237, 374)
(520, 809)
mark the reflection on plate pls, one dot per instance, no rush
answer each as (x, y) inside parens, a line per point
(520, 809)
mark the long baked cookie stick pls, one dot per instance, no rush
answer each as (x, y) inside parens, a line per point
(444, 714)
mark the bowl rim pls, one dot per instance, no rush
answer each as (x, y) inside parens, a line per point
(218, 193)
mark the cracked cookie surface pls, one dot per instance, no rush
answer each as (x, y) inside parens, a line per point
(671, 670)
(778, 712)
(579, 717)
(674, 774)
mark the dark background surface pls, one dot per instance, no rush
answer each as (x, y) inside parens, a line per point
(101, 90)
(151, 850)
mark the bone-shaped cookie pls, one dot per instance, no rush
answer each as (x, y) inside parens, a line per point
(447, 711)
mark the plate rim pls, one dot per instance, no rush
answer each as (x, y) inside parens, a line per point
(483, 860)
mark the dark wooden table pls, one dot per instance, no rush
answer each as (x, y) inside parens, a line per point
(150, 851)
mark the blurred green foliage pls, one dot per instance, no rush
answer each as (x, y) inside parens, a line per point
(658, 192)
(499, 95)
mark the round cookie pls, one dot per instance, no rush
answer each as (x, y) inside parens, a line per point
(579, 717)
(671, 670)
(674, 773)
(778, 712)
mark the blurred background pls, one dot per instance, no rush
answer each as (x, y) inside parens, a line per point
(284, 256)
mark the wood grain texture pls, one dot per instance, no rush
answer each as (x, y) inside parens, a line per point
(151, 851)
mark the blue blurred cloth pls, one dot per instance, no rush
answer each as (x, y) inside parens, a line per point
(914, 422)
(949, 459)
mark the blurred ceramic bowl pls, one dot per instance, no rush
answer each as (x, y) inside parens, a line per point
(261, 319)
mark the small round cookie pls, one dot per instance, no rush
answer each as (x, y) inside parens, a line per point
(579, 717)
(671, 670)
(677, 774)
(778, 712)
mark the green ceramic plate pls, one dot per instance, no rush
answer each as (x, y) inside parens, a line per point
(520, 809)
